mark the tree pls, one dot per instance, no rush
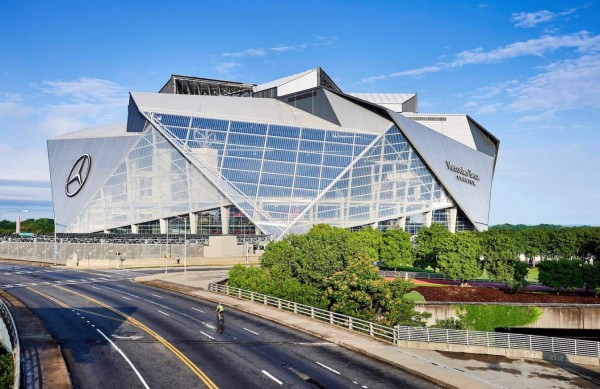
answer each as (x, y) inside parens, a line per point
(561, 273)
(562, 243)
(501, 258)
(359, 291)
(429, 242)
(396, 249)
(365, 243)
(324, 251)
(591, 277)
(460, 259)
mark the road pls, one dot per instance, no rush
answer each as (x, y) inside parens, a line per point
(118, 333)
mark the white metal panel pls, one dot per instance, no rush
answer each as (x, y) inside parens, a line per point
(307, 81)
(280, 81)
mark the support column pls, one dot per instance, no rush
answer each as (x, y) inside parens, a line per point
(401, 223)
(193, 223)
(134, 229)
(452, 219)
(164, 225)
(427, 216)
(225, 220)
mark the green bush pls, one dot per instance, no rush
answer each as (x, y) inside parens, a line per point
(563, 273)
(452, 323)
(6, 371)
(490, 317)
(414, 296)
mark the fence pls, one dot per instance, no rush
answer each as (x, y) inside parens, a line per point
(44, 251)
(422, 275)
(396, 334)
(10, 340)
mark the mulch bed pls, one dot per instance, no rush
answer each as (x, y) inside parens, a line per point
(487, 294)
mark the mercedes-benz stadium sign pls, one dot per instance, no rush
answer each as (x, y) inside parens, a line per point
(78, 175)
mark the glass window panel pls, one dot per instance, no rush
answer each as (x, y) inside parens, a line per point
(336, 160)
(282, 144)
(278, 167)
(248, 128)
(308, 170)
(280, 155)
(241, 163)
(306, 183)
(214, 124)
(311, 146)
(245, 152)
(241, 176)
(311, 158)
(277, 180)
(331, 172)
(284, 131)
(274, 192)
(246, 140)
(312, 134)
(340, 137)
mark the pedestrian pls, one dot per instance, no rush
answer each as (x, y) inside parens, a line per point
(178, 259)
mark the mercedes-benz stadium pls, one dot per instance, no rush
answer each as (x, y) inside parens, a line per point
(215, 157)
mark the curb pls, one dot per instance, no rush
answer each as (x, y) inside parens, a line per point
(189, 291)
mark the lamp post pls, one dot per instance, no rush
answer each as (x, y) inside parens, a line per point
(167, 250)
(184, 241)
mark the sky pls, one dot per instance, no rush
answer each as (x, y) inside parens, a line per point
(528, 71)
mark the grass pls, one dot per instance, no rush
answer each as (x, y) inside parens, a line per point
(532, 274)
(414, 296)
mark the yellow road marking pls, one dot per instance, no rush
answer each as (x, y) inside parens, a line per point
(203, 377)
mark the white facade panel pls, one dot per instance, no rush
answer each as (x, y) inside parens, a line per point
(307, 81)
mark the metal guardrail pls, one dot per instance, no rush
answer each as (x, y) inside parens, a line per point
(12, 344)
(422, 334)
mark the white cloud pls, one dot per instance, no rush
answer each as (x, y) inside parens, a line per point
(581, 41)
(562, 86)
(225, 67)
(23, 163)
(281, 48)
(532, 19)
(371, 79)
(86, 89)
(418, 72)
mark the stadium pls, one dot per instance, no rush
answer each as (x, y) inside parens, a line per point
(209, 157)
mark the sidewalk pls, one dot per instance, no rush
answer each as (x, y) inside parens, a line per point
(452, 370)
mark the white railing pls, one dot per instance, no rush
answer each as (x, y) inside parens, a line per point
(10, 340)
(422, 334)
(423, 275)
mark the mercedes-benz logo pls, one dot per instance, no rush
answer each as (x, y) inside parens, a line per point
(78, 175)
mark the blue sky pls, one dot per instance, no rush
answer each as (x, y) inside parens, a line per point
(527, 71)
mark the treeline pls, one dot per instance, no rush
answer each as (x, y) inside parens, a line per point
(41, 226)
(331, 268)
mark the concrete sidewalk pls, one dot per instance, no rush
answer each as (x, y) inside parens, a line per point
(453, 370)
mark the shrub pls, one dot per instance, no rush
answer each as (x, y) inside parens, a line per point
(563, 273)
(490, 317)
(451, 323)
(6, 371)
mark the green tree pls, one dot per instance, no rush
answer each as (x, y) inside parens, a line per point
(324, 251)
(562, 243)
(501, 255)
(396, 249)
(591, 277)
(365, 243)
(561, 273)
(359, 291)
(252, 278)
(460, 258)
(430, 240)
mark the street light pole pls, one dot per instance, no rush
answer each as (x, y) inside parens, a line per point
(184, 245)
(167, 251)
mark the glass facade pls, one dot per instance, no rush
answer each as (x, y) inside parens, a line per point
(239, 224)
(440, 216)
(153, 181)
(463, 223)
(285, 179)
(209, 222)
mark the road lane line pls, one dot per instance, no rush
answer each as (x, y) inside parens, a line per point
(95, 287)
(164, 313)
(126, 298)
(199, 373)
(155, 295)
(271, 377)
(199, 310)
(125, 358)
(255, 333)
(328, 368)
(207, 335)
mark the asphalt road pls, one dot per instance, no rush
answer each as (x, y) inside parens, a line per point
(117, 333)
